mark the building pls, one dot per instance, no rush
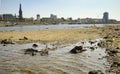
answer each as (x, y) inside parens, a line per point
(0, 17)
(8, 17)
(105, 17)
(38, 17)
(20, 13)
(52, 16)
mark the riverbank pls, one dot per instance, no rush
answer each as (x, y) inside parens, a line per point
(66, 35)
(111, 35)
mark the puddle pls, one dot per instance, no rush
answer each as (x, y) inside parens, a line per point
(59, 61)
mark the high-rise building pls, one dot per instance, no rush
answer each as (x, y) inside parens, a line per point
(20, 13)
(37, 17)
(105, 17)
(53, 16)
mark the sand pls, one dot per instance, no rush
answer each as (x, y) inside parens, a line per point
(50, 35)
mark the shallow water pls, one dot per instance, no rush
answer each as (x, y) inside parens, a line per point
(44, 27)
(59, 61)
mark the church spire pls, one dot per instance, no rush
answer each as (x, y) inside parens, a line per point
(20, 12)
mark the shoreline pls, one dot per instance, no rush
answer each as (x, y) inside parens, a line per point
(110, 34)
(66, 35)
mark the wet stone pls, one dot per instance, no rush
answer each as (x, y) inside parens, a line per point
(43, 52)
(35, 45)
(92, 48)
(77, 49)
(96, 72)
(31, 51)
(92, 42)
(101, 44)
(34, 52)
(6, 41)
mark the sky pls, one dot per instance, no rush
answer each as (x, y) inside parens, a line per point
(63, 8)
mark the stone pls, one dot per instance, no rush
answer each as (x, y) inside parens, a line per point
(92, 42)
(115, 64)
(35, 45)
(92, 48)
(96, 72)
(43, 52)
(31, 51)
(77, 49)
(7, 41)
(112, 52)
(24, 38)
(101, 44)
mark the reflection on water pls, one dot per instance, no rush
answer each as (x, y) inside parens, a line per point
(59, 61)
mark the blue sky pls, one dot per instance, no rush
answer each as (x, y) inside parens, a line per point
(63, 8)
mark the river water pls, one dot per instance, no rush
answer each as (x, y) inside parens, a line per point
(59, 61)
(44, 27)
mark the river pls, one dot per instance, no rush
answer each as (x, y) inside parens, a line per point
(44, 27)
(59, 61)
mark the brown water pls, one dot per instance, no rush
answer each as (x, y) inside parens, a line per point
(59, 61)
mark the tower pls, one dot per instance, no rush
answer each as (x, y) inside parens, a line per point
(105, 17)
(20, 13)
(38, 17)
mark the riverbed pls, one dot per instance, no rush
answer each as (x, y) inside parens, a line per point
(59, 60)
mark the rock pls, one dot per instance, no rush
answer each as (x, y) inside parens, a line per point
(117, 29)
(109, 40)
(112, 52)
(92, 48)
(101, 44)
(115, 64)
(82, 42)
(106, 37)
(92, 42)
(35, 45)
(7, 41)
(44, 52)
(117, 48)
(24, 38)
(96, 72)
(31, 51)
(77, 49)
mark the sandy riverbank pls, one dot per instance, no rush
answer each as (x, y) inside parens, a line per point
(50, 35)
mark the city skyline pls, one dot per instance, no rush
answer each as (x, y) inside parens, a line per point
(69, 8)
